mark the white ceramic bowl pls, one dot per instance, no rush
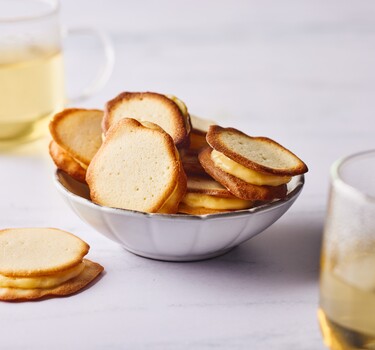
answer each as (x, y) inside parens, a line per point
(174, 237)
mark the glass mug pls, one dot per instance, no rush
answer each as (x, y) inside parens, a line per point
(347, 279)
(31, 67)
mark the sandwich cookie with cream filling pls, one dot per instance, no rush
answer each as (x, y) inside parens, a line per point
(40, 262)
(251, 168)
(206, 196)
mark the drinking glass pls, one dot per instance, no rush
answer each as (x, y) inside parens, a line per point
(31, 67)
(347, 280)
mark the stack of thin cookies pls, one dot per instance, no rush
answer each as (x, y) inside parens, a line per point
(43, 262)
(144, 152)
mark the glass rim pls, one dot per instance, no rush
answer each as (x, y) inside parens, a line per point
(54, 8)
(336, 177)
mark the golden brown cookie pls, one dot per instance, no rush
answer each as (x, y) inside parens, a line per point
(258, 153)
(78, 132)
(137, 168)
(30, 252)
(166, 111)
(65, 162)
(238, 187)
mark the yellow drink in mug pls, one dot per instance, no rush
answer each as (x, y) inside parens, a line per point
(347, 279)
(30, 91)
(31, 67)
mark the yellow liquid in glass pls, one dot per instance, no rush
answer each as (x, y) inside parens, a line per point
(347, 303)
(31, 90)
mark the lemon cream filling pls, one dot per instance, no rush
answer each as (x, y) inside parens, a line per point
(175, 195)
(170, 202)
(173, 198)
(179, 104)
(83, 165)
(182, 107)
(42, 282)
(246, 174)
(199, 200)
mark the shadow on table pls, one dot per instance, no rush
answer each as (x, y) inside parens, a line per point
(291, 251)
(285, 254)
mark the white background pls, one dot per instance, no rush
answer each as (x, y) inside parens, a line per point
(300, 72)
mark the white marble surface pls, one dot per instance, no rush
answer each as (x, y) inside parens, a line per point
(300, 72)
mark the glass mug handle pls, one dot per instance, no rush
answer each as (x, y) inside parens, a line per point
(106, 68)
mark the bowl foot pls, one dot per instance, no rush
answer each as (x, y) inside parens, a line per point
(179, 258)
